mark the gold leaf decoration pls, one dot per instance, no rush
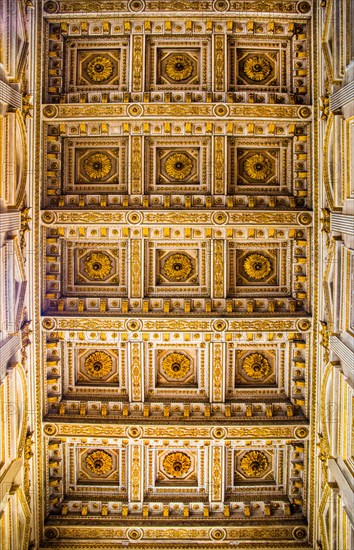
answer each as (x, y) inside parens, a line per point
(97, 166)
(257, 266)
(256, 365)
(179, 67)
(258, 167)
(97, 265)
(177, 464)
(257, 68)
(254, 464)
(99, 462)
(178, 166)
(176, 365)
(98, 364)
(178, 267)
(100, 68)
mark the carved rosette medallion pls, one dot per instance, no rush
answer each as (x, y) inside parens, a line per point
(99, 462)
(256, 365)
(100, 69)
(176, 365)
(179, 67)
(97, 265)
(177, 464)
(98, 364)
(178, 166)
(178, 267)
(257, 266)
(97, 166)
(257, 68)
(258, 167)
(254, 464)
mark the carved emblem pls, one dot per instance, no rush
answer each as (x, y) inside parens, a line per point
(254, 464)
(97, 265)
(257, 68)
(258, 167)
(178, 166)
(99, 462)
(177, 464)
(257, 266)
(100, 68)
(98, 364)
(179, 67)
(178, 267)
(97, 166)
(256, 365)
(176, 365)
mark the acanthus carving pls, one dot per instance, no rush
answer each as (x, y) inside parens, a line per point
(219, 62)
(136, 373)
(137, 63)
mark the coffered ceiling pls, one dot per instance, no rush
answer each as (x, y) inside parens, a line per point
(176, 273)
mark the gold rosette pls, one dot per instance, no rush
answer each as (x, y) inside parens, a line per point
(98, 364)
(258, 167)
(179, 67)
(176, 365)
(100, 68)
(257, 266)
(177, 464)
(256, 365)
(257, 68)
(254, 464)
(99, 462)
(178, 166)
(97, 265)
(97, 166)
(178, 267)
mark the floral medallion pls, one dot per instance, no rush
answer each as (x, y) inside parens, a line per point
(177, 464)
(257, 68)
(254, 464)
(97, 265)
(178, 166)
(258, 167)
(99, 462)
(257, 266)
(176, 365)
(98, 364)
(256, 365)
(178, 267)
(97, 166)
(179, 67)
(100, 69)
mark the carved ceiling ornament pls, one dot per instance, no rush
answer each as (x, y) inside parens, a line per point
(258, 167)
(257, 266)
(256, 365)
(177, 464)
(167, 266)
(176, 365)
(178, 267)
(179, 67)
(178, 166)
(254, 464)
(257, 68)
(100, 68)
(97, 265)
(99, 462)
(97, 166)
(98, 364)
